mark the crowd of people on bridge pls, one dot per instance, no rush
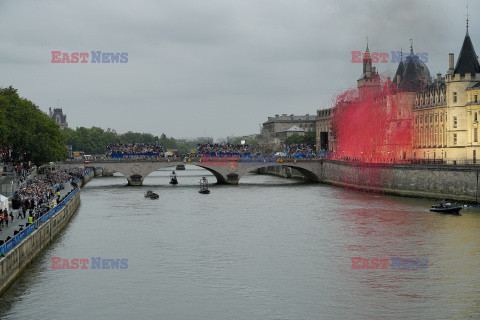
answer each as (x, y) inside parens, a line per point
(129, 150)
(300, 151)
(145, 150)
(225, 148)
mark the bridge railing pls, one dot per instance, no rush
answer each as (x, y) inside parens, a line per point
(264, 159)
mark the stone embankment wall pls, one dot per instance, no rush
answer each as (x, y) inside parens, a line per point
(430, 181)
(451, 182)
(16, 259)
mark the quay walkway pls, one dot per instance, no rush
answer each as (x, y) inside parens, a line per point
(15, 224)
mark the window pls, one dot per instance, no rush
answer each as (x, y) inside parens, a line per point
(436, 117)
(441, 117)
(454, 122)
(454, 97)
(431, 118)
(475, 99)
(475, 134)
(454, 139)
(475, 116)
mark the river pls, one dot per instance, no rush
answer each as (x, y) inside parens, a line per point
(269, 248)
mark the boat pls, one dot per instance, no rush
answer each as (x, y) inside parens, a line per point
(204, 186)
(152, 195)
(173, 178)
(180, 167)
(446, 207)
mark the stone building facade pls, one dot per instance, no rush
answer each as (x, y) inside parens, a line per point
(275, 130)
(58, 116)
(444, 112)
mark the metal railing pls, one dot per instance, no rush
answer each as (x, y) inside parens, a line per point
(42, 219)
(29, 229)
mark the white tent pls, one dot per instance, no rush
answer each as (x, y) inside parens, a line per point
(3, 202)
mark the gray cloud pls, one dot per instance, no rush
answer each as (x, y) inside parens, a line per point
(215, 66)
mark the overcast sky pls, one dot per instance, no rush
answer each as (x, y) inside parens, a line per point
(212, 67)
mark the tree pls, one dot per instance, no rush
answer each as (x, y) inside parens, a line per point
(27, 132)
(295, 139)
(311, 138)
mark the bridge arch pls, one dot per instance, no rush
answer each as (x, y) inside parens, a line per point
(308, 174)
(228, 172)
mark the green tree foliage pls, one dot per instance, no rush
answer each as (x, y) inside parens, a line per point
(295, 139)
(93, 140)
(309, 138)
(28, 132)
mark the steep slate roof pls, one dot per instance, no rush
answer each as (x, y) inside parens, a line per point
(467, 60)
(400, 71)
(411, 80)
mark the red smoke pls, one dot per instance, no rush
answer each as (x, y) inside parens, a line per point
(373, 124)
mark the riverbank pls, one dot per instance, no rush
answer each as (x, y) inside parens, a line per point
(26, 245)
(452, 182)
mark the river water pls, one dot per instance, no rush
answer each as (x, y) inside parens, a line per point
(269, 248)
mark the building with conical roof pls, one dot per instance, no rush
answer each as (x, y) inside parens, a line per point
(447, 110)
(444, 112)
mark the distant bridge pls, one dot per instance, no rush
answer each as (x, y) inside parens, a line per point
(225, 170)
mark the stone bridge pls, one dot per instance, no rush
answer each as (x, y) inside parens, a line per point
(226, 171)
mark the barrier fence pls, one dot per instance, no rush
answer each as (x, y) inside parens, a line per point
(25, 232)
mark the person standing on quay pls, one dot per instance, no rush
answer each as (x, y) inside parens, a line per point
(6, 219)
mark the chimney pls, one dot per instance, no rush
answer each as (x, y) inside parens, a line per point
(439, 79)
(450, 63)
(399, 79)
(276, 116)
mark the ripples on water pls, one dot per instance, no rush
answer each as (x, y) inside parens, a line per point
(269, 248)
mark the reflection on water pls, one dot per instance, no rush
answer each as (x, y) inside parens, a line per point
(269, 248)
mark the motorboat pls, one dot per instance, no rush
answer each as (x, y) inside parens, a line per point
(204, 186)
(446, 207)
(180, 167)
(152, 195)
(173, 178)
